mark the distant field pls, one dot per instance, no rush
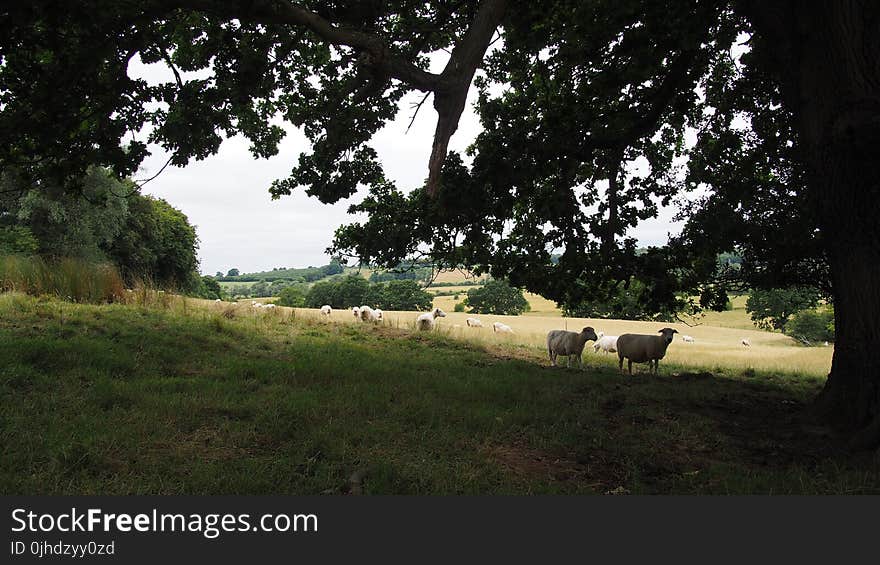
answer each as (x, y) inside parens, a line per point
(714, 349)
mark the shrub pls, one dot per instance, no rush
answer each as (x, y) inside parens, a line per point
(811, 326)
(459, 307)
(291, 296)
(497, 297)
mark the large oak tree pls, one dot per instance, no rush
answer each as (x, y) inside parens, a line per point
(785, 162)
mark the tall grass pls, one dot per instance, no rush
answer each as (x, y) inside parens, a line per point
(69, 279)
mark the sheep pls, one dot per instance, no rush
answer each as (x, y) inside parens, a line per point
(426, 321)
(570, 344)
(370, 315)
(644, 348)
(687, 339)
(268, 306)
(600, 335)
(356, 312)
(326, 310)
(474, 323)
(501, 328)
(745, 341)
(607, 343)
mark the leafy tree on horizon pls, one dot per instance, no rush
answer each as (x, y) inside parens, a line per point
(496, 297)
(771, 309)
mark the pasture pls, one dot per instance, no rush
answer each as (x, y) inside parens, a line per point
(181, 396)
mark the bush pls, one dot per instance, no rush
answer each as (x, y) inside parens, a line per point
(497, 297)
(771, 309)
(291, 296)
(459, 307)
(208, 288)
(810, 326)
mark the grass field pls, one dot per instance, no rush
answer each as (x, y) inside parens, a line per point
(197, 397)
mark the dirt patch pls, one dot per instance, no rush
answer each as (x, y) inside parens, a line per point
(529, 463)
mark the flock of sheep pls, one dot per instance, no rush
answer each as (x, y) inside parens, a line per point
(635, 348)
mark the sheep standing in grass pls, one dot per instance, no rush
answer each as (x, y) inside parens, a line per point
(356, 312)
(607, 343)
(474, 323)
(366, 313)
(649, 349)
(687, 339)
(326, 310)
(370, 315)
(498, 327)
(745, 341)
(426, 321)
(569, 344)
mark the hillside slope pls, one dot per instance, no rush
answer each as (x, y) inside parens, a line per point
(201, 398)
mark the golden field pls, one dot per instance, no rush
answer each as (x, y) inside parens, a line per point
(714, 349)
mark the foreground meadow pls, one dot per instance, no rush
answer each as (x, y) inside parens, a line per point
(185, 396)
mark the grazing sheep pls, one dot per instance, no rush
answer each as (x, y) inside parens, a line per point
(356, 312)
(268, 306)
(687, 339)
(426, 321)
(644, 349)
(217, 300)
(569, 344)
(474, 323)
(370, 315)
(745, 341)
(607, 343)
(501, 328)
(326, 310)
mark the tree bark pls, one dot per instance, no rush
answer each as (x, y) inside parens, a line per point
(826, 56)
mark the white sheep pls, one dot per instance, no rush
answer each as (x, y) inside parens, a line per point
(474, 323)
(326, 310)
(607, 343)
(426, 321)
(649, 349)
(569, 344)
(745, 341)
(501, 328)
(687, 339)
(370, 315)
(268, 306)
(356, 312)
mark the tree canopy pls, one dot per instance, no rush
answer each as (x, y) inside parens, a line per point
(588, 108)
(496, 297)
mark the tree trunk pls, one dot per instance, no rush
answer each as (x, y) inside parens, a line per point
(826, 56)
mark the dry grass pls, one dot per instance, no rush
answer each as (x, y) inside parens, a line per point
(714, 349)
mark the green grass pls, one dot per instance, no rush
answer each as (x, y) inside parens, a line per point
(199, 398)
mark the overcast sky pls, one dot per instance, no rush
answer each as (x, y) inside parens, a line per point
(226, 196)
